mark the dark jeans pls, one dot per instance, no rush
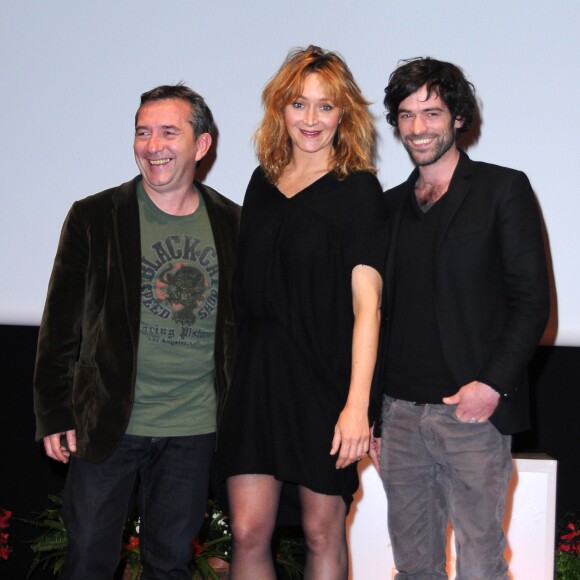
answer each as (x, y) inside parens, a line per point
(437, 469)
(173, 475)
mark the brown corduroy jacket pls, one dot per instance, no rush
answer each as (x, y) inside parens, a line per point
(87, 346)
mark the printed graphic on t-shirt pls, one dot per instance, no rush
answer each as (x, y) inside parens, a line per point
(179, 284)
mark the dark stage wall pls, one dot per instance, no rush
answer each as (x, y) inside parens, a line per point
(27, 477)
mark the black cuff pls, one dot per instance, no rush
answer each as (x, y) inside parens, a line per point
(502, 393)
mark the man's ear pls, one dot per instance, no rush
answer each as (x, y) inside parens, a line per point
(203, 143)
(458, 122)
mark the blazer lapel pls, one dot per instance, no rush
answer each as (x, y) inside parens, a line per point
(125, 216)
(458, 190)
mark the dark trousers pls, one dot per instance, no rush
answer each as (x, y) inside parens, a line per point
(173, 475)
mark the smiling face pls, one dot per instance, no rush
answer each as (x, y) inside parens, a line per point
(426, 127)
(166, 150)
(312, 119)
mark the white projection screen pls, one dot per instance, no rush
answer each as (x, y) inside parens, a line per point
(73, 70)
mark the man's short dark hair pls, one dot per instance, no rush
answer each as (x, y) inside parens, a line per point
(200, 119)
(444, 78)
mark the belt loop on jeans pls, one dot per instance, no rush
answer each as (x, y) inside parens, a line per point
(417, 404)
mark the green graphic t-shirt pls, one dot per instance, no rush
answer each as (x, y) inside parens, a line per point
(174, 390)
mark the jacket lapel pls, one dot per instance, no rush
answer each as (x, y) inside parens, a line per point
(125, 216)
(458, 190)
(211, 202)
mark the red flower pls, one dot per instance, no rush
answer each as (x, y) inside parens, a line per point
(5, 515)
(4, 538)
(133, 543)
(564, 548)
(196, 547)
(5, 552)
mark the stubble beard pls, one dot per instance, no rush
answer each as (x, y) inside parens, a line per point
(441, 147)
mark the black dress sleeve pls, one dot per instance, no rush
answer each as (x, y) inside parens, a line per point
(366, 231)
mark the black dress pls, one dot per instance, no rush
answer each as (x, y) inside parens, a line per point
(293, 302)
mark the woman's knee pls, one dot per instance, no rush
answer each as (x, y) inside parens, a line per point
(323, 520)
(253, 507)
(249, 533)
(323, 534)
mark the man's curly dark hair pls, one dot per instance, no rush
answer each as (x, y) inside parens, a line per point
(444, 78)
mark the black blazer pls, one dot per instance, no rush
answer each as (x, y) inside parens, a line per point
(87, 345)
(491, 281)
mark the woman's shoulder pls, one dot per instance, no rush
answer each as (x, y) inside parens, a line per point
(361, 187)
(366, 177)
(362, 182)
(258, 186)
(258, 179)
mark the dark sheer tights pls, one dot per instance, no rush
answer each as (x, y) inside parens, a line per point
(253, 506)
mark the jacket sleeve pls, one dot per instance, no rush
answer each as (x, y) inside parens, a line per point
(525, 285)
(60, 329)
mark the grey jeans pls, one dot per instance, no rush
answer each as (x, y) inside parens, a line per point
(436, 469)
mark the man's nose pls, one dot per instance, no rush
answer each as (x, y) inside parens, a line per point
(154, 144)
(418, 125)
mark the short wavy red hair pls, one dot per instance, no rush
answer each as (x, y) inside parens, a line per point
(354, 143)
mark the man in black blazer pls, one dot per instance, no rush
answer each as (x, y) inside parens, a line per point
(136, 346)
(466, 302)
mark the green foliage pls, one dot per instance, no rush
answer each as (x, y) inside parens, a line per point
(214, 541)
(567, 566)
(212, 546)
(568, 547)
(51, 546)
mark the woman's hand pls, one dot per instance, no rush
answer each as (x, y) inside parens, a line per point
(351, 436)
